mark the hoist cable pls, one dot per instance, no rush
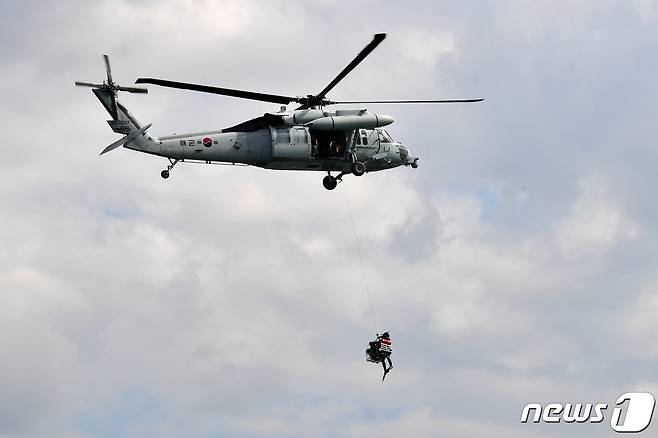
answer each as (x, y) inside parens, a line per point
(363, 269)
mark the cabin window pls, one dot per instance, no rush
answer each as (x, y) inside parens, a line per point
(358, 138)
(283, 135)
(301, 136)
(364, 137)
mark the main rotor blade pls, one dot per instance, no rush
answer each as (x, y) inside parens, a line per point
(108, 69)
(87, 84)
(263, 97)
(378, 38)
(346, 102)
(133, 89)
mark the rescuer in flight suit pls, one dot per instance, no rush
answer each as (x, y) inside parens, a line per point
(380, 350)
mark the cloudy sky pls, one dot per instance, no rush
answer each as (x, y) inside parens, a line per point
(516, 265)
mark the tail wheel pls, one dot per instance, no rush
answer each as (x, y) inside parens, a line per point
(358, 168)
(329, 182)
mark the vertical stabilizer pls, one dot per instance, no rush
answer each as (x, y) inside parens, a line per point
(126, 124)
(135, 136)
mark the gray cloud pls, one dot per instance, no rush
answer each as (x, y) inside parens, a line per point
(517, 264)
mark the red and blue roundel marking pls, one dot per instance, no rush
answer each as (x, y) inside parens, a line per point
(207, 141)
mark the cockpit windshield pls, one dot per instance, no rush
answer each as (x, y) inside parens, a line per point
(385, 137)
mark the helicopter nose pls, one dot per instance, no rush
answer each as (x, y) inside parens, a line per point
(404, 153)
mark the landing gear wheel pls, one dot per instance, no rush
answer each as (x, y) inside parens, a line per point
(414, 164)
(329, 182)
(172, 162)
(358, 168)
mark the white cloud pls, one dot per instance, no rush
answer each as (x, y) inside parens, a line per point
(646, 8)
(594, 224)
(231, 299)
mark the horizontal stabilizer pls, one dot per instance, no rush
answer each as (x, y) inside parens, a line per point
(125, 139)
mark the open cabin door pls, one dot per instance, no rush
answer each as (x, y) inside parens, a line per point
(329, 144)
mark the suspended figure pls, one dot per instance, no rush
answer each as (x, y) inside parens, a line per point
(380, 350)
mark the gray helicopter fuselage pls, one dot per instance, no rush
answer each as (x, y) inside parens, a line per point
(347, 141)
(284, 148)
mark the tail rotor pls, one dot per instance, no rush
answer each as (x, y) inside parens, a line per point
(108, 69)
(111, 87)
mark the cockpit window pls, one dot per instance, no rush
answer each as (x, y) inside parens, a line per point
(385, 137)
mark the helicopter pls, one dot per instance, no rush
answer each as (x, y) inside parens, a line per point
(346, 141)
